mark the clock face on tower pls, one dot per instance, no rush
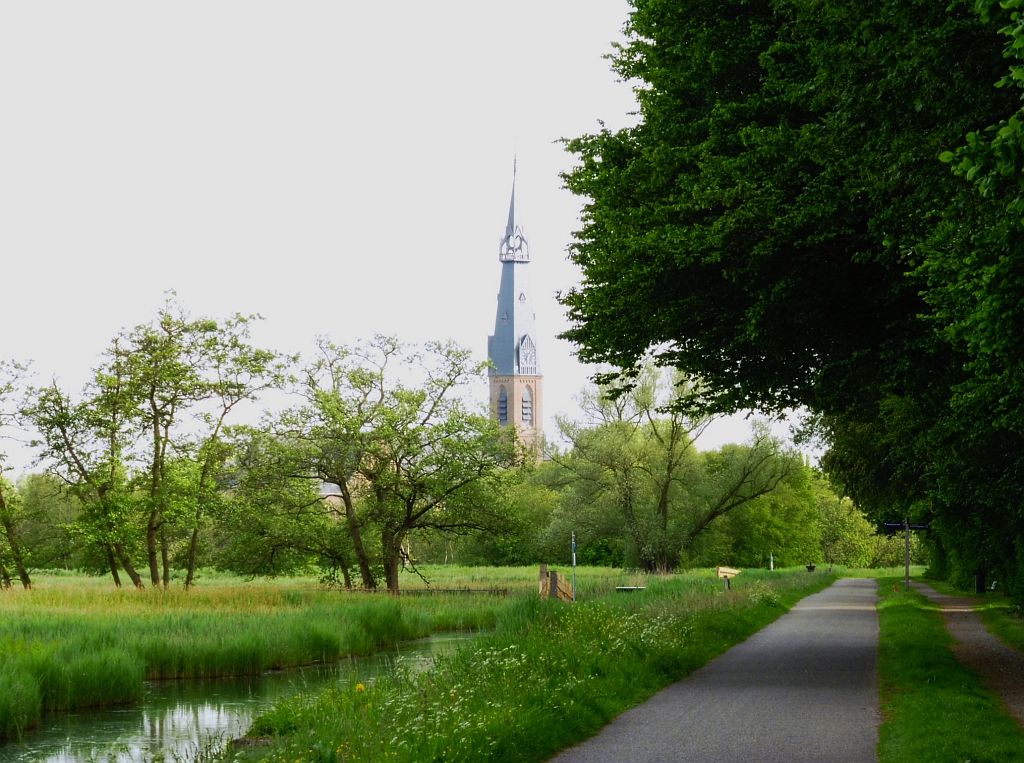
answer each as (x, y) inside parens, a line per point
(527, 355)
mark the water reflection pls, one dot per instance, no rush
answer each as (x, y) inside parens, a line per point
(178, 718)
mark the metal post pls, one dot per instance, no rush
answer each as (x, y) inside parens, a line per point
(574, 565)
(906, 554)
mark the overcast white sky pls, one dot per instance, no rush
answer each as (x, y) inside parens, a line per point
(341, 168)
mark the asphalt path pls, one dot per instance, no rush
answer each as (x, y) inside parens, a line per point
(802, 689)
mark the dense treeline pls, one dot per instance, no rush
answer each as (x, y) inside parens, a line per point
(378, 463)
(783, 224)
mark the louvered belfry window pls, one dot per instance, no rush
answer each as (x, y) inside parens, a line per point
(502, 405)
(527, 407)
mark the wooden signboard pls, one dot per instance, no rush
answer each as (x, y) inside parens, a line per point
(726, 572)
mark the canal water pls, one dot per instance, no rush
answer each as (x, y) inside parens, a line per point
(176, 719)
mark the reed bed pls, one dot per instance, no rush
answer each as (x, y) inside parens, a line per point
(550, 674)
(74, 642)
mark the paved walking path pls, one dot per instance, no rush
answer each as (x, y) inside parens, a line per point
(1000, 667)
(802, 689)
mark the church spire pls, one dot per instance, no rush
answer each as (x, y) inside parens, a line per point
(513, 247)
(516, 395)
(510, 229)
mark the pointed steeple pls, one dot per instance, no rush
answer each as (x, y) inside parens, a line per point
(516, 395)
(510, 229)
(513, 247)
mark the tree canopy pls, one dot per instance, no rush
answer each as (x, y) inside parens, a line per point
(633, 463)
(783, 224)
(141, 446)
(386, 425)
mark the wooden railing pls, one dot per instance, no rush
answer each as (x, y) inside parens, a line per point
(552, 585)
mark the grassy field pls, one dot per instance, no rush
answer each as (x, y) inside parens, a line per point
(550, 675)
(74, 641)
(934, 709)
(541, 676)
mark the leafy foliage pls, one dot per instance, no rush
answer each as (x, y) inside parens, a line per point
(386, 425)
(780, 224)
(141, 449)
(634, 464)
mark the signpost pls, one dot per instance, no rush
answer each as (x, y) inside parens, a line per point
(727, 573)
(906, 527)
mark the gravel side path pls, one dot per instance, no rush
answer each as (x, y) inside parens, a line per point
(1000, 667)
(803, 689)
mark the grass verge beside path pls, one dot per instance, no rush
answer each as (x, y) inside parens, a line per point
(552, 675)
(934, 709)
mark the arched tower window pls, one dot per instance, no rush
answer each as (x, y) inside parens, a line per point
(527, 407)
(502, 405)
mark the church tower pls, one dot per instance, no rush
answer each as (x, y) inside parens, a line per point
(516, 392)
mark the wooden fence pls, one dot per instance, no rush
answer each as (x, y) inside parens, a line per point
(554, 586)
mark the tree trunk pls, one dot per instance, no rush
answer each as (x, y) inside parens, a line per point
(392, 562)
(165, 560)
(5, 579)
(392, 546)
(112, 563)
(191, 563)
(365, 572)
(122, 557)
(12, 543)
(346, 576)
(151, 547)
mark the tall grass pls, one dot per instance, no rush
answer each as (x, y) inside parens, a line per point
(71, 642)
(550, 675)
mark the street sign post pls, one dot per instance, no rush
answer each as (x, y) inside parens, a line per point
(727, 574)
(906, 527)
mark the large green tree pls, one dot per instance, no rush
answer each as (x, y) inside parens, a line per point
(85, 444)
(780, 224)
(188, 375)
(142, 448)
(759, 223)
(389, 427)
(634, 459)
(274, 519)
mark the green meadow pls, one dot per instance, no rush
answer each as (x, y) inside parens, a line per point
(74, 642)
(541, 674)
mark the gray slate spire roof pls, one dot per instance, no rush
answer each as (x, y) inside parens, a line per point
(512, 349)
